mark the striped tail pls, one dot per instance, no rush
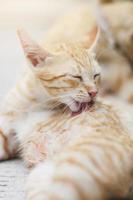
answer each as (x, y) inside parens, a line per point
(89, 170)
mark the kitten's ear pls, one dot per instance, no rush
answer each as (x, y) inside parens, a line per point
(92, 40)
(35, 54)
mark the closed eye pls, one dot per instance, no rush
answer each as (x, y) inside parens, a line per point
(78, 77)
(96, 75)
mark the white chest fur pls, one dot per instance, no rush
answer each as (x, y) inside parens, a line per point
(27, 122)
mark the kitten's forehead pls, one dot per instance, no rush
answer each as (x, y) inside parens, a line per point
(72, 59)
(82, 57)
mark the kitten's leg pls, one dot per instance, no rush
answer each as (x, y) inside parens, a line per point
(33, 150)
(90, 169)
(8, 140)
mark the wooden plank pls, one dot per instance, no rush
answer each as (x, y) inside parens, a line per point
(12, 180)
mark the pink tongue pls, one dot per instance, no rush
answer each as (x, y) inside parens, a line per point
(83, 106)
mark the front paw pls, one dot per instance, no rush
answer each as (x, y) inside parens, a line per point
(4, 149)
(33, 154)
(8, 146)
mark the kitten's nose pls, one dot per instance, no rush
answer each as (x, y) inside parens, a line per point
(92, 93)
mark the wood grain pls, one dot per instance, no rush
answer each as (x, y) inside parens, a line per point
(12, 180)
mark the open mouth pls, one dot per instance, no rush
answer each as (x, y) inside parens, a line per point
(82, 107)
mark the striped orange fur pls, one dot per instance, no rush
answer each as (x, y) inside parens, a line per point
(90, 156)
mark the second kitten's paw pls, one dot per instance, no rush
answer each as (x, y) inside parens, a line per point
(39, 182)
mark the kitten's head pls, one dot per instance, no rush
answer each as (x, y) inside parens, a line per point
(70, 76)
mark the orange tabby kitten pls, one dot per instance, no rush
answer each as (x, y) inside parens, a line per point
(52, 116)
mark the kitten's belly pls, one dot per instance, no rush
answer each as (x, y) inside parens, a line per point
(60, 130)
